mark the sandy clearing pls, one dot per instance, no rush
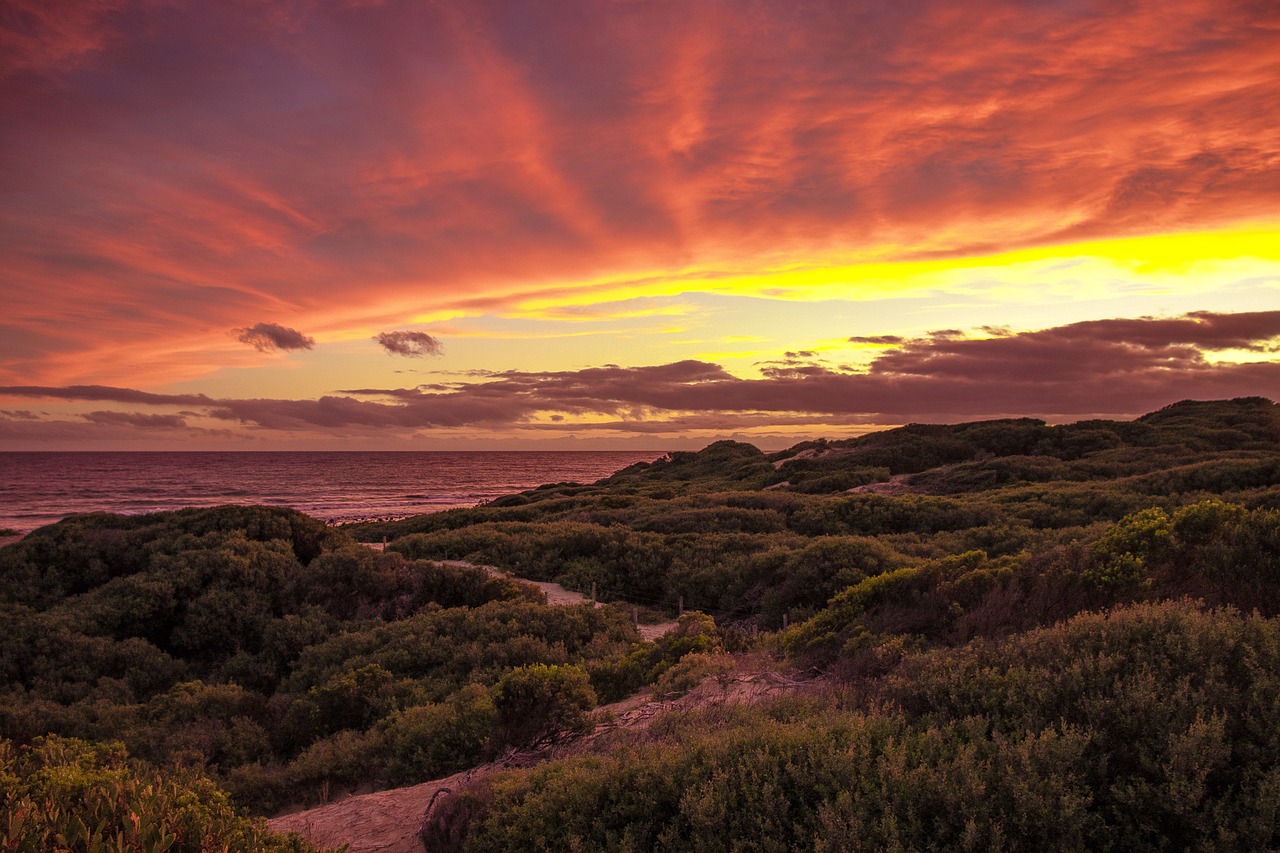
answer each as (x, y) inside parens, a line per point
(385, 822)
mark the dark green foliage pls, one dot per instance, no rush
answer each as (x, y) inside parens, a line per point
(1151, 728)
(726, 463)
(1218, 552)
(436, 652)
(267, 649)
(618, 677)
(876, 515)
(355, 582)
(196, 641)
(992, 474)
(433, 740)
(539, 700)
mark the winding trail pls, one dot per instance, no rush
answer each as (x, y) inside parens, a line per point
(557, 596)
(387, 821)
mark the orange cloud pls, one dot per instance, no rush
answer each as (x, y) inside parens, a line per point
(170, 170)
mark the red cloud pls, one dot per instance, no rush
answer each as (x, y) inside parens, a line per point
(136, 419)
(445, 153)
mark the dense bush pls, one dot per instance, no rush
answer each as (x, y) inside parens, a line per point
(61, 794)
(193, 640)
(266, 649)
(1150, 728)
(539, 700)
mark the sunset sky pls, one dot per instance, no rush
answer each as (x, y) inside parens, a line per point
(602, 224)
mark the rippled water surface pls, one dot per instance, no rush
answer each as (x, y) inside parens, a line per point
(40, 488)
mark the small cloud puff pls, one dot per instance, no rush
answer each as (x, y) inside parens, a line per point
(410, 344)
(265, 337)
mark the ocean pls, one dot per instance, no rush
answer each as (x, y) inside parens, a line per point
(40, 488)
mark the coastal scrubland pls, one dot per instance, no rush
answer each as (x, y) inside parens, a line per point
(1030, 637)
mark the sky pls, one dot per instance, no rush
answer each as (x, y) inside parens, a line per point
(371, 224)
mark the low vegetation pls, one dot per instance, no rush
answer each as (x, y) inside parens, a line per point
(1151, 727)
(61, 794)
(270, 652)
(1031, 637)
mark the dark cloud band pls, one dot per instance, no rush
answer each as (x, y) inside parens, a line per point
(1114, 367)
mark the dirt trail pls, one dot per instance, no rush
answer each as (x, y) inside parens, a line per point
(557, 596)
(385, 822)
(388, 821)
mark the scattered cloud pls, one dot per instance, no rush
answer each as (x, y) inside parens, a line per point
(1098, 351)
(266, 337)
(410, 344)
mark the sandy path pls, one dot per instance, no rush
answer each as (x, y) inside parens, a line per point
(385, 822)
(557, 596)
(560, 597)
(388, 821)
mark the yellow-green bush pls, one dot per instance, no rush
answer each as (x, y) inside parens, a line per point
(67, 794)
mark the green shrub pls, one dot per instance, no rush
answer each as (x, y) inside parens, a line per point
(1149, 728)
(434, 740)
(691, 670)
(539, 700)
(69, 794)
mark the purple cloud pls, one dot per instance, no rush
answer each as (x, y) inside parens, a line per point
(265, 337)
(410, 344)
(136, 419)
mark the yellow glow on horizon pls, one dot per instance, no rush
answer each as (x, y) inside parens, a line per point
(1155, 262)
(1201, 264)
(1156, 258)
(1236, 356)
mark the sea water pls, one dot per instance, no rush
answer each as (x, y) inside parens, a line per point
(42, 487)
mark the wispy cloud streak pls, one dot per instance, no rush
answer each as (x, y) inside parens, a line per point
(171, 169)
